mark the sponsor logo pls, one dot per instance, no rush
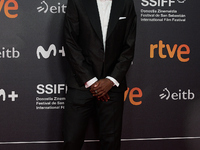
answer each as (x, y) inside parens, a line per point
(59, 8)
(3, 94)
(160, 48)
(46, 54)
(133, 94)
(8, 7)
(9, 53)
(180, 95)
(13, 96)
(51, 96)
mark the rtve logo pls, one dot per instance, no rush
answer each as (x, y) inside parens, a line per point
(12, 95)
(8, 7)
(183, 49)
(133, 93)
(52, 9)
(180, 95)
(46, 54)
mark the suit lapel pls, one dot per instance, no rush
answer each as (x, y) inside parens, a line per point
(93, 14)
(117, 6)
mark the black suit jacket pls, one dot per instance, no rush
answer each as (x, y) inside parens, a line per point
(84, 44)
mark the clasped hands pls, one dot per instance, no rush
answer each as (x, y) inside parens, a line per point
(100, 89)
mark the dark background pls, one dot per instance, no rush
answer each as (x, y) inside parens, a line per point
(153, 125)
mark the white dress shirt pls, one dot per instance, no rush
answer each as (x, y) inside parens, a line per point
(104, 7)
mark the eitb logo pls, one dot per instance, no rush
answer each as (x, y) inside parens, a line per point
(45, 7)
(9, 53)
(177, 95)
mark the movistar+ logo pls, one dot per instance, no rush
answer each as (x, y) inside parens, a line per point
(12, 95)
(46, 54)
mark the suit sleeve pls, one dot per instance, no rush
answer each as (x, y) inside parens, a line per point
(82, 71)
(127, 54)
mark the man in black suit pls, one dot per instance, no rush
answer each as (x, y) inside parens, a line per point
(99, 37)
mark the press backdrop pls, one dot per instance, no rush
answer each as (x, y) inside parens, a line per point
(162, 100)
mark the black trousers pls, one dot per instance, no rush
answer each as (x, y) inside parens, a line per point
(79, 107)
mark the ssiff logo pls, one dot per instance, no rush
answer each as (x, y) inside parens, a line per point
(52, 9)
(12, 95)
(160, 3)
(51, 89)
(181, 1)
(180, 95)
(8, 7)
(46, 54)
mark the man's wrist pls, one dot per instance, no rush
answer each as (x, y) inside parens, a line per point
(90, 82)
(115, 82)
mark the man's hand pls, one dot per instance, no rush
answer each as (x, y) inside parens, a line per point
(104, 98)
(101, 88)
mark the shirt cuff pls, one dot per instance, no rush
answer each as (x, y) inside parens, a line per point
(90, 82)
(116, 83)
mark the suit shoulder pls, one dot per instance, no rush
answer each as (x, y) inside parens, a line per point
(129, 2)
(73, 1)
